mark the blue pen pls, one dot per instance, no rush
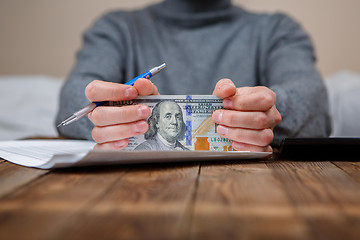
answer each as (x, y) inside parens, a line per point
(87, 109)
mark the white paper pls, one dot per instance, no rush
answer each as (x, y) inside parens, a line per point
(48, 154)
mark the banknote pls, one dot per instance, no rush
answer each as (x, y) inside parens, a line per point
(179, 122)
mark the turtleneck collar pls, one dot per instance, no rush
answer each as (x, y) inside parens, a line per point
(195, 13)
(197, 6)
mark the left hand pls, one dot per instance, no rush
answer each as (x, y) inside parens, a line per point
(249, 118)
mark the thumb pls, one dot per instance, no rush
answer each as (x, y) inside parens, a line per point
(224, 88)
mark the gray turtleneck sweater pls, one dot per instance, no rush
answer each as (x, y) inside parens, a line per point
(202, 42)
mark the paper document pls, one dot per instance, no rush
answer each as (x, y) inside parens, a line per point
(48, 154)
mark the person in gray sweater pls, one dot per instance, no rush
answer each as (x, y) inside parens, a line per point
(262, 65)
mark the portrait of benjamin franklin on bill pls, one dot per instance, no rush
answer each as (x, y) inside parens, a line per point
(166, 128)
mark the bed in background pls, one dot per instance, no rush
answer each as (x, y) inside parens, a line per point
(29, 105)
(344, 97)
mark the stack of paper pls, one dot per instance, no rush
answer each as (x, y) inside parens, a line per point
(48, 154)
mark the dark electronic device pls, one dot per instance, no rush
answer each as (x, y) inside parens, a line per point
(322, 149)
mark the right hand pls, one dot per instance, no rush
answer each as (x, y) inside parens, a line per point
(114, 125)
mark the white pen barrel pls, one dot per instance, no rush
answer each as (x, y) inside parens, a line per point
(87, 109)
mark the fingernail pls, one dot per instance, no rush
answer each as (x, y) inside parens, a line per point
(217, 116)
(143, 112)
(225, 85)
(227, 103)
(222, 130)
(120, 143)
(140, 127)
(130, 93)
(238, 146)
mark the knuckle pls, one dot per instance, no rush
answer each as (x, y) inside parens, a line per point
(274, 96)
(261, 120)
(275, 117)
(266, 96)
(267, 100)
(266, 137)
(90, 89)
(258, 89)
(156, 90)
(278, 118)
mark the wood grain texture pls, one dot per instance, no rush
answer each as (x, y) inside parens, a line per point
(148, 203)
(324, 196)
(140, 203)
(55, 204)
(243, 201)
(351, 168)
(14, 176)
(223, 200)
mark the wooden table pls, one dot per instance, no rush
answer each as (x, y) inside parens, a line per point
(272, 199)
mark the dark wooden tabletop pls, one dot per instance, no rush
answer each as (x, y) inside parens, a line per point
(268, 199)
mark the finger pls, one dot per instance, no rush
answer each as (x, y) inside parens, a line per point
(246, 119)
(121, 131)
(108, 91)
(248, 147)
(145, 87)
(116, 145)
(277, 116)
(224, 88)
(261, 137)
(104, 116)
(251, 99)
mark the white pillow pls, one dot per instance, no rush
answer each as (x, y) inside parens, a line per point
(344, 97)
(28, 106)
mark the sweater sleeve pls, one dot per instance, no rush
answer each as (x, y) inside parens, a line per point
(100, 58)
(289, 70)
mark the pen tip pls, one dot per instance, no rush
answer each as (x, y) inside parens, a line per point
(162, 66)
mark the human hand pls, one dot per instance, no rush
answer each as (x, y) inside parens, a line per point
(114, 125)
(249, 118)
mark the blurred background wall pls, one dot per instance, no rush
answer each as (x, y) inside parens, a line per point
(42, 36)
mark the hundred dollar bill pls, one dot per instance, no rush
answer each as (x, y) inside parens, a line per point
(179, 122)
